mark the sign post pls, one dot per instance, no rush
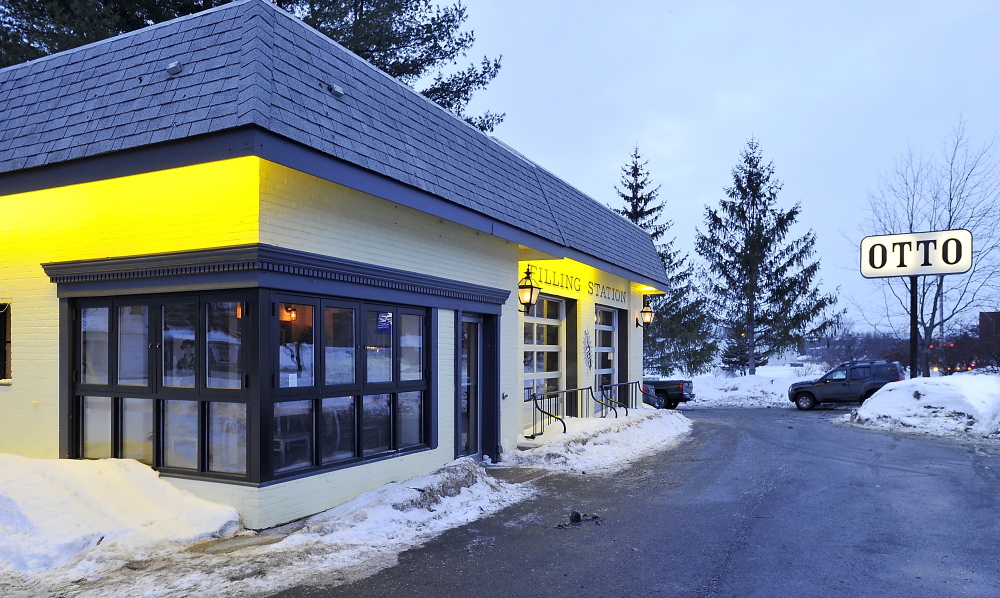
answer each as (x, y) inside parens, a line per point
(915, 255)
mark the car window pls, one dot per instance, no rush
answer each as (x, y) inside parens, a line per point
(862, 373)
(837, 375)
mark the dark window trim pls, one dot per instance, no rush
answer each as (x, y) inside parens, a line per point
(6, 346)
(264, 263)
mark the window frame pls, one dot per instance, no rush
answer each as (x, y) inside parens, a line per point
(357, 390)
(201, 394)
(258, 362)
(6, 342)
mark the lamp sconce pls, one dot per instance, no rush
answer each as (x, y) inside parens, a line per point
(527, 291)
(293, 314)
(646, 315)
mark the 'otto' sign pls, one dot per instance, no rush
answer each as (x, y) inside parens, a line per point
(916, 254)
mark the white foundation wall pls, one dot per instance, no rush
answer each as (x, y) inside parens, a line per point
(286, 501)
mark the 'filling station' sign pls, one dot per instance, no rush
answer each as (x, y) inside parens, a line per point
(916, 254)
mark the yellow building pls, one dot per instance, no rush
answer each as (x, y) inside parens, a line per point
(238, 253)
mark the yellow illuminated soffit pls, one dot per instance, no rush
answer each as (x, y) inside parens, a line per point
(648, 290)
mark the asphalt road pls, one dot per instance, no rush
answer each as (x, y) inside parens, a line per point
(757, 502)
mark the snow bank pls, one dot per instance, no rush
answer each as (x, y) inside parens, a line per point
(594, 445)
(768, 388)
(55, 512)
(957, 404)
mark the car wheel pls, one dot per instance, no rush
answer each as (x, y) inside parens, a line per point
(671, 404)
(867, 396)
(805, 401)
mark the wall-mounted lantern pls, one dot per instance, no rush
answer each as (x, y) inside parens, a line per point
(527, 291)
(293, 314)
(646, 315)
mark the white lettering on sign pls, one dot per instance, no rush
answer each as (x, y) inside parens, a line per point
(916, 254)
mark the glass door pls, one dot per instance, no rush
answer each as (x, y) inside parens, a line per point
(606, 325)
(470, 396)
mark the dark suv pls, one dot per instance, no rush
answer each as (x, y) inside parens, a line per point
(851, 381)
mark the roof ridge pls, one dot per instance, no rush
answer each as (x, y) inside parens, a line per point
(114, 38)
(256, 79)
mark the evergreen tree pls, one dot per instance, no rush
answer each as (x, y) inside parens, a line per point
(762, 284)
(679, 337)
(411, 40)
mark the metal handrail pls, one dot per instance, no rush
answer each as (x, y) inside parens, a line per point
(634, 388)
(555, 403)
(593, 397)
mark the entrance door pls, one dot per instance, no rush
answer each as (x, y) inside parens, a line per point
(606, 331)
(471, 394)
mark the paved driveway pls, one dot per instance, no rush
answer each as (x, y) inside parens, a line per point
(757, 502)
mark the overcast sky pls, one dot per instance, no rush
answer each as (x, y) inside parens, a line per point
(835, 92)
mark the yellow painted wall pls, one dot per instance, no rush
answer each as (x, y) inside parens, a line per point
(209, 205)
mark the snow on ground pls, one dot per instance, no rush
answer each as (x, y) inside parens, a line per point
(58, 513)
(768, 388)
(596, 445)
(54, 514)
(961, 404)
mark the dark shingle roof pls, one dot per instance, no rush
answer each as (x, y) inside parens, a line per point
(250, 63)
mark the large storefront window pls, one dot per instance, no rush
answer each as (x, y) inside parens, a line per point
(163, 380)
(336, 415)
(167, 380)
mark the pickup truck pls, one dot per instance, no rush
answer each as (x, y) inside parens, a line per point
(666, 394)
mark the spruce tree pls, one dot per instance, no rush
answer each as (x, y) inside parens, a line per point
(762, 283)
(679, 337)
(411, 40)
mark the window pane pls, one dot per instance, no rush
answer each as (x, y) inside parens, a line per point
(529, 334)
(339, 345)
(94, 345)
(551, 335)
(605, 317)
(379, 346)
(137, 430)
(180, 434)
(409, 419)
(133, 345)
(605, 338)
(295, 331)
(227, 437)
(97, 427)
(376, 422)
(551, 309)
(411, 347)
(337, 429)
(179, 325)
(223, 344)
(293, 433)
(552, 361)
(529, 362)
(605, 361)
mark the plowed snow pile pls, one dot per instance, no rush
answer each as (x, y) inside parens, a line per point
(949, 405)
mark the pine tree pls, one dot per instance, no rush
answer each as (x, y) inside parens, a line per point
(679, 338)
(762, 283)
(411, 40)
